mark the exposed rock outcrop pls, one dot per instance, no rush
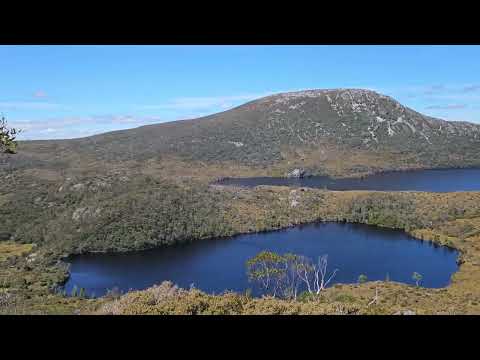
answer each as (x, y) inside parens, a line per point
(296, 173)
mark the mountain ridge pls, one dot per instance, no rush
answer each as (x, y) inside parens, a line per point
(309, 128)
(291, 94)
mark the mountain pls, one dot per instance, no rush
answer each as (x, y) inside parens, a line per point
(148, 186)
(340, 131)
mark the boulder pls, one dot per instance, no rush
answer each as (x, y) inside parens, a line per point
(5, 236)
(296, 173)
(405, 312)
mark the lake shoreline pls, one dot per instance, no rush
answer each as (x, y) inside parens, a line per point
(376, 181)
(282, 230)
(361, 175)
(329, 206)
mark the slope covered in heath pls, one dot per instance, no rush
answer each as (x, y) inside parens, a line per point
(148, 187)
(91, 193)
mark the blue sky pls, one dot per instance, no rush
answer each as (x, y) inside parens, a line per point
(73, 91)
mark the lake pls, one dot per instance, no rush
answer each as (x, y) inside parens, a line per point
(217, 265)
(437, 180)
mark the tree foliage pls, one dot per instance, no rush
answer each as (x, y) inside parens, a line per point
(7, 137)
(417, 278)
(362, 279)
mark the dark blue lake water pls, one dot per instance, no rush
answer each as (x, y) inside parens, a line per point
(419, 180)
(219, 264)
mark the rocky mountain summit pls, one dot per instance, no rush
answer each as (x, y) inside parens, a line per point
(381, 117)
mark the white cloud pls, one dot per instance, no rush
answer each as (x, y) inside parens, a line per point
(198, 103)
(434, 89)
(471, 88)
(48, 130)
(459, 97)
(446, 107)
(40, 94)
(73, 127)
(29, 105)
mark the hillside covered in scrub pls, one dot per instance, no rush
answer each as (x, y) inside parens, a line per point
(30, 273)
(150, 186)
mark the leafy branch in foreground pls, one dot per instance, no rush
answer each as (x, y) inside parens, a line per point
(7, 137)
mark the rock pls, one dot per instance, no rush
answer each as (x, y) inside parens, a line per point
(32, 257)
(5, 236)
(101, 184)
(294, 198)
(85, 212)
(296, 173)
(77, 214)
(405, 312)
(78, 186)
(237, 143)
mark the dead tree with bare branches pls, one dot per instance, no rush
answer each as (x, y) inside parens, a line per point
(282, 275)
(315, 275)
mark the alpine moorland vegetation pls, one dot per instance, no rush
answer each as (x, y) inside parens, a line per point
(149, 187)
